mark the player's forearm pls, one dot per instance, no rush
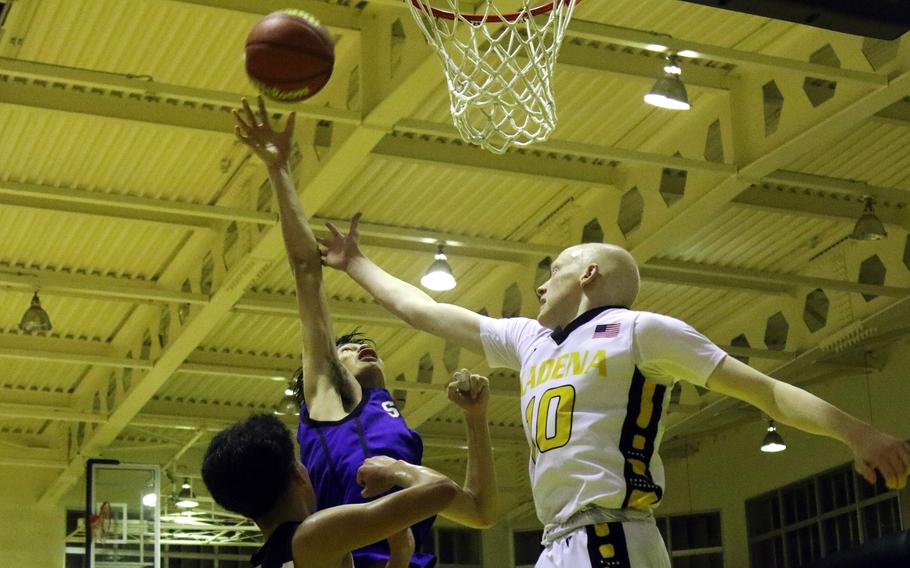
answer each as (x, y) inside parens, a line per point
(480, 478)
(299, 241)
(801, 409)
(398, 558)
(786, 403)
(475, 504)
(338, 530)
(402, 299)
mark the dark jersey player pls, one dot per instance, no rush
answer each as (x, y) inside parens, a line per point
(347, 415)
(250, 469)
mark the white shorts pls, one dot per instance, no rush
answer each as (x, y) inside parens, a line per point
(634, 544)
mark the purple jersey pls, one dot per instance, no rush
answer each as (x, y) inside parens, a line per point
(333, 452)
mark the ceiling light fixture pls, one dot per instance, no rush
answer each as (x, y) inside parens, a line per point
(287, 406)
(773, 441)
(439, 276)
(669, 91)
(868, 227)
(35, 318)
(185, 498)
(150, 496)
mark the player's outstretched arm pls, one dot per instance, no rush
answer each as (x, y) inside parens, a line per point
(791, 405)
(407, 302)
(326, 380)
(327, 536)
(476, 503)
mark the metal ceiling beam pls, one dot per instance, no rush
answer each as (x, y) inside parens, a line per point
(31, 462)
(333, 16)
(645, 66)
(86, 286)
(73, 358)
(797, 201)
(897, 114)
(857, 189)
(202, 425)
(96, 93)
(188, 214)
(578, 150)
(784, 281)
(530, 165)
(101, 212)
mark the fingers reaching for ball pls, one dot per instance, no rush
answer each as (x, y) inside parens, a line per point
(253, 130)
(470, 391)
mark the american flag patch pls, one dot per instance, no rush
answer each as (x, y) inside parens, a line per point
(606, 330)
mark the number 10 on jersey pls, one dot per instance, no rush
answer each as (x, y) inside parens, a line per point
(550, 427)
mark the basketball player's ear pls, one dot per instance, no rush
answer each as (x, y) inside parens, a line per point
(589, 275)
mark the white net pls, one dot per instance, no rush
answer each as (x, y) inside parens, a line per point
(499, 68)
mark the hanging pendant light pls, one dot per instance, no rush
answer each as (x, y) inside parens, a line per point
(35, 318)
(185, 498)
(439, 275)
(773, 441)
(669, 91)
(287, 406)
(868, 227)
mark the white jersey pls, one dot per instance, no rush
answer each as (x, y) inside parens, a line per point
(593, 396)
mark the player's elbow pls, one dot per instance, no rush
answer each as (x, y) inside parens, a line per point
(444, 491)
(307, 278)
(485, 520)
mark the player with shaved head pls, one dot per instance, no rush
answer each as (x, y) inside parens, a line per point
(595, 379)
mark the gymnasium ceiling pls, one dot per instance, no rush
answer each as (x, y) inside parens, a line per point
(151, 233)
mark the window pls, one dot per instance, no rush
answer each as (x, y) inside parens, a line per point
(527, 548)
(454, 547)
(810, 519)
(693, 541)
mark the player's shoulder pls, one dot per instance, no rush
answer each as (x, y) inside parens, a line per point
(309, 538)
(654, 322)
(525, 326)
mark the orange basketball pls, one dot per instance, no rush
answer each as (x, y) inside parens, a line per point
(289, 56)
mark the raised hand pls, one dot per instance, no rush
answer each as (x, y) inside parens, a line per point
(339, 249)
(253, 129)
(887, 454)
(470, 392)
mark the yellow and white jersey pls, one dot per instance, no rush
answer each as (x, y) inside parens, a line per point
(593, 396)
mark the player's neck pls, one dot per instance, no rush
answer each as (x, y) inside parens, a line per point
(292, 511)
(293, 506)
(586, 305)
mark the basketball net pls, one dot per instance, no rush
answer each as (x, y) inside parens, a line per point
(101, 523)
(499, 67)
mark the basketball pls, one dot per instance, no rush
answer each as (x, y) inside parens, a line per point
(289, 56)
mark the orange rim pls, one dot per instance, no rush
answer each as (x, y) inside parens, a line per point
(490, 19)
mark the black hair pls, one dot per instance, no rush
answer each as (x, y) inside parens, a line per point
(354, 336)
(248, 465)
